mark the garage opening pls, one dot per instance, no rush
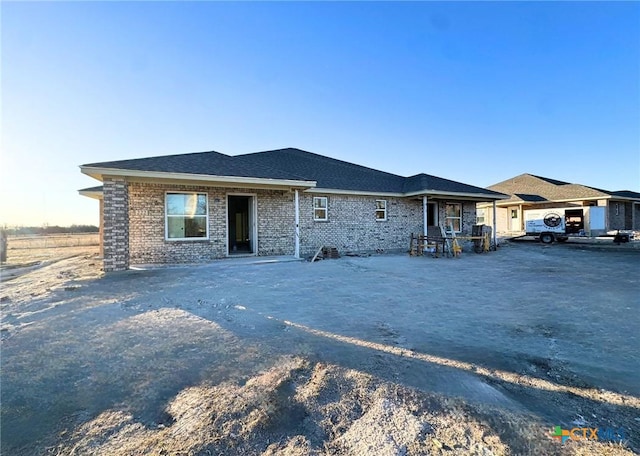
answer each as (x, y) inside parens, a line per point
(240, 224)
(574, 221)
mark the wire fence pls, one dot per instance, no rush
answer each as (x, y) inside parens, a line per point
(52, 241)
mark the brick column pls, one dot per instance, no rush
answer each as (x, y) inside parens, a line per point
(116, 224)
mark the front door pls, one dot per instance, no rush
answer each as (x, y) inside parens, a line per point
(240, 226)
(514, 219)
(432, 214)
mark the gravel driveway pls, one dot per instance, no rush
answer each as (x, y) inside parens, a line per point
(550, 331)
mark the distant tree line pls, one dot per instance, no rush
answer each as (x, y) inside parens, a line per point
(55, 229)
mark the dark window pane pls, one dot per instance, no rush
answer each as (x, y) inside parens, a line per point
(195, 227)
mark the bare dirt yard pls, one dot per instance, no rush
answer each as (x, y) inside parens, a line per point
(384, 355)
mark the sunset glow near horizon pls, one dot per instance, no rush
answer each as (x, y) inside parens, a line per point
(475, 92)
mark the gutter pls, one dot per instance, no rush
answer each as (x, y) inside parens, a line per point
(99, 173)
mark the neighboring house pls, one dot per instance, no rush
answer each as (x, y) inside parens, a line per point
(201, 206)
(622, 208)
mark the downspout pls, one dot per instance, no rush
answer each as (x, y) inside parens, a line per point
(297, 221)
(424, 215)
(495, 227)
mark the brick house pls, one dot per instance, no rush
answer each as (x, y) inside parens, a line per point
(203, 206)
(527, 191)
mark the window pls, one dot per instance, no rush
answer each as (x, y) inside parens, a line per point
(453, 216)
(186, 216)
(381, 210)
(480, 216)
(514, 213)
(320, 212)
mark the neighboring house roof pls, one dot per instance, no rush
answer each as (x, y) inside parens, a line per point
(291, 165)
(626, 194)
(530, 198)
(549, 180)
(528, 188)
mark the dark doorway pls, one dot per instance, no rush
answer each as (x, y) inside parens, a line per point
(573, 220)
(432, 214)
(239, 213)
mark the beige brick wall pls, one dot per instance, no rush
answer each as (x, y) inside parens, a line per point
(147, 232)
(352, 225)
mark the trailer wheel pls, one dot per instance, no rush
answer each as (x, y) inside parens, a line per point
(546, 238)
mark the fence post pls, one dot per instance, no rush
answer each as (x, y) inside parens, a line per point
(3, 246)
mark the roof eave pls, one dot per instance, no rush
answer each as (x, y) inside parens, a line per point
(99, 173)
(623, 198)
(339, 191)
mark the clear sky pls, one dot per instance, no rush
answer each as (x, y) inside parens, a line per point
(474, 92)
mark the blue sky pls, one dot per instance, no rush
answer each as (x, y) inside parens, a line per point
(474, 92)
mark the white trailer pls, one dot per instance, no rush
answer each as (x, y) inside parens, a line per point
(556, 224)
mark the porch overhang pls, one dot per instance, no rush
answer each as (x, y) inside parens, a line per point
(93, 192)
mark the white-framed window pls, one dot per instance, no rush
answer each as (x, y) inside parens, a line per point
(480, 216)
(453, 216)
(381, 210)
(186, 216)
(320, 209)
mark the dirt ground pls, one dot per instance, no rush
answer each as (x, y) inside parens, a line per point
(386, 355)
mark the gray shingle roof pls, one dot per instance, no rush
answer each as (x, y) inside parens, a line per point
(295, 164)
(207, 163)
(327, 172)
(422, 182)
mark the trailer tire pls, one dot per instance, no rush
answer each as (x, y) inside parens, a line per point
(547, 238)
